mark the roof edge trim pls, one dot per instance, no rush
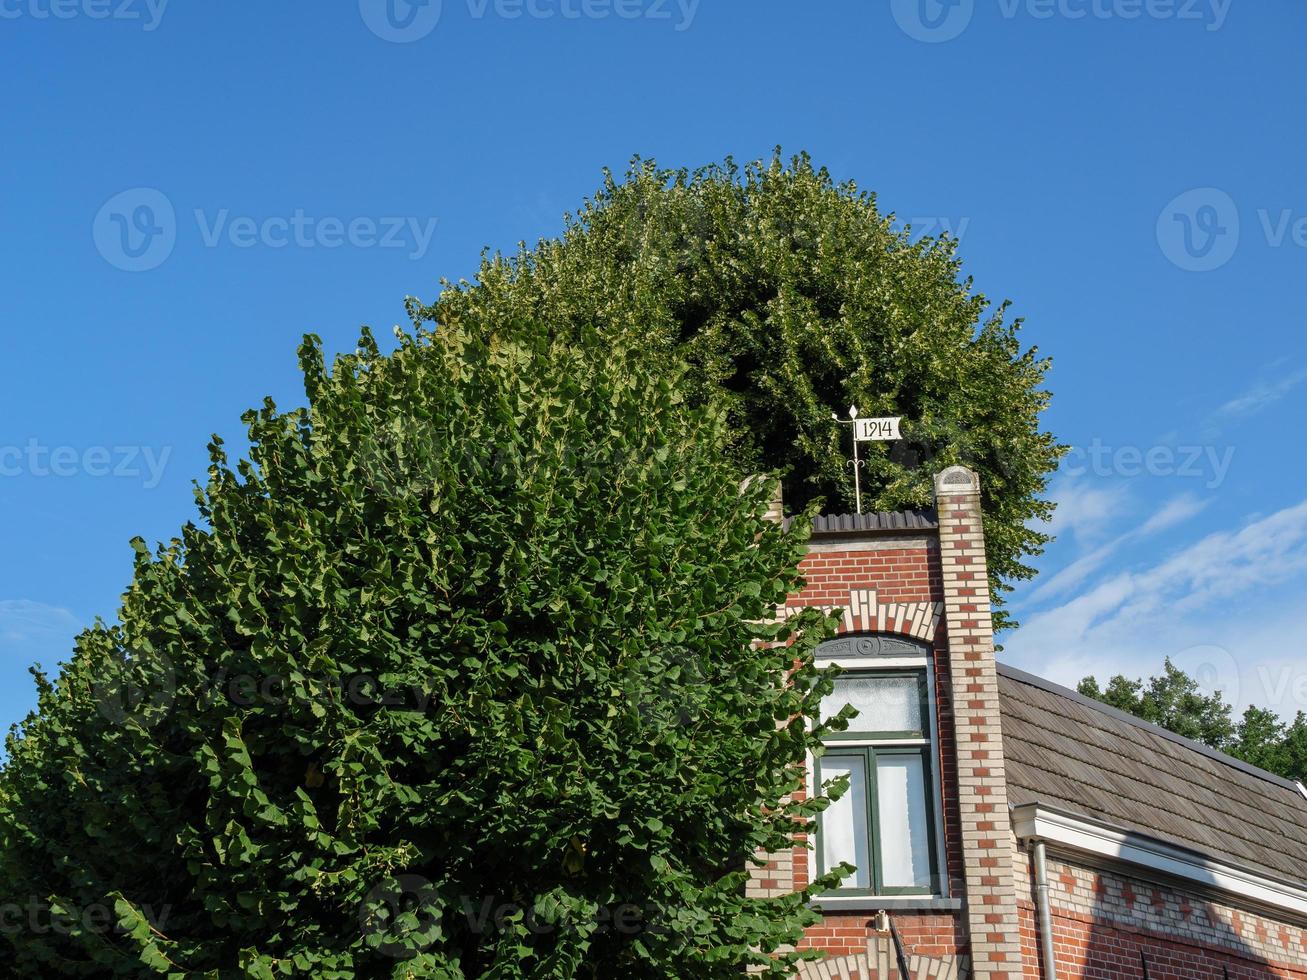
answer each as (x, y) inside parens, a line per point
(1215, 755)
(1034, 821)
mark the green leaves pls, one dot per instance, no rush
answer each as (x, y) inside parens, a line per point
(472, 671)
(791, 297)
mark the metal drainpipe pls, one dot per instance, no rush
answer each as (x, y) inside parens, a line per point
(899, 953)
(1045, 911)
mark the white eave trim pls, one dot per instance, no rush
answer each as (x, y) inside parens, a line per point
(1064, 831)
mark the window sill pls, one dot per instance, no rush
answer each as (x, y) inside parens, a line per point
(888, 903)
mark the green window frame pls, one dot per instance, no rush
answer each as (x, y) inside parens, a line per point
(867, 749)
(855, 733)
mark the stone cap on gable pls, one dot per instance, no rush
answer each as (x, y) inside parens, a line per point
(956, 480)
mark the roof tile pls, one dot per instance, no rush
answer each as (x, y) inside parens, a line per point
(1066, 751)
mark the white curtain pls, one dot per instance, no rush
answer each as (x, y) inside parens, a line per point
(904, 828)
(885, 704)
(844, 824)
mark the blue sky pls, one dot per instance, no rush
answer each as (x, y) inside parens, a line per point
(188, 188)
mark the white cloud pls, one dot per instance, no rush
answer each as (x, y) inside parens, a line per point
(1173, 512)
(1228, 607)
(25, 621)
(1260, 396)
(1084, 511)
(1265, 552)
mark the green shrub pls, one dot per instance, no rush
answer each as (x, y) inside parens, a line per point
(458, 676)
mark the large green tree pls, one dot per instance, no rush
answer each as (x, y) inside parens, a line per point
(471, 670)
(793, 297)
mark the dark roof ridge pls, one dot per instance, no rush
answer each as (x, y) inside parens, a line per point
(1216, 755)
(884, 521)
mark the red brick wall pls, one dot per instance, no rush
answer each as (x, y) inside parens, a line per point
(900, 573)
(930, 935)
(936, 583)
(1101, 932)
(1090, 950)
(1104, 920)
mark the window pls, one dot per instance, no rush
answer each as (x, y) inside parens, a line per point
(885, 825)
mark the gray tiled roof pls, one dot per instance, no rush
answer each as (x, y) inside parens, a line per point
(1071, 753)
(893, 520)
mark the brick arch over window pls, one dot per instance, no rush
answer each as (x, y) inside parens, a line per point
(865, 613)
(879, 962)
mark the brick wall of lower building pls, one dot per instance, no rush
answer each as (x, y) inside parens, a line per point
(1108, 925)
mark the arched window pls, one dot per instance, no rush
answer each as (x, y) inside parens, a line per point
(886, 825)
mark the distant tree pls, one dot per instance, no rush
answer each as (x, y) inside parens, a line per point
(1174, 701)
(472, 669)
(793, 297)
(1259, 739)
(1295, 749)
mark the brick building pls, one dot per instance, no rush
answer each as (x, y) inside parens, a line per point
(1006, 827)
